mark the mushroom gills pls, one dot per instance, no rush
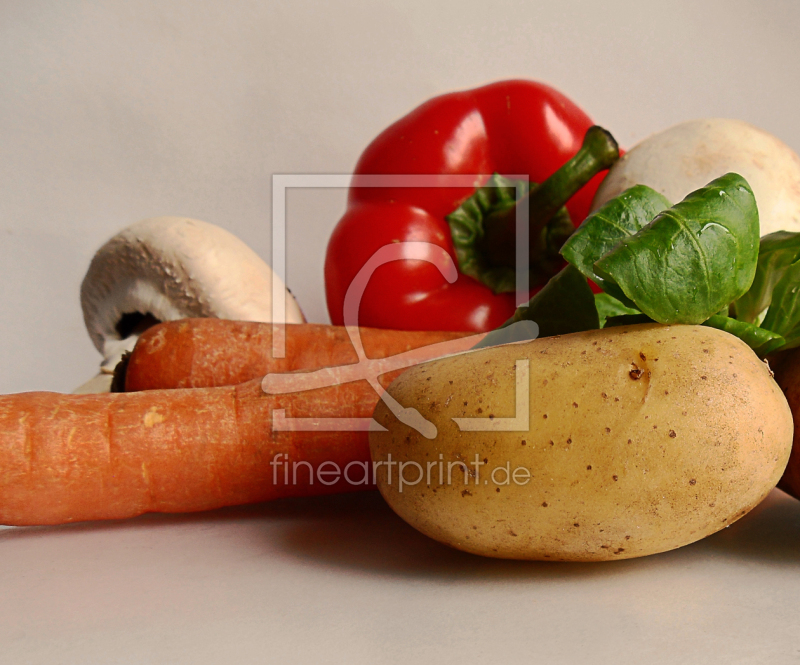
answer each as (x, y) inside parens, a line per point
(169, 268)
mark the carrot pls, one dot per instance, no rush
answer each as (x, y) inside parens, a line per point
(69, 458)
(194, 353)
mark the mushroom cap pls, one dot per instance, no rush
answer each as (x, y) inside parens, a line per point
(173, 268)
(683, 158)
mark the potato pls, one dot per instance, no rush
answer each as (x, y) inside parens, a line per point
(638, 440)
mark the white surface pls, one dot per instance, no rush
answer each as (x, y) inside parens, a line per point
(343, 580)
(117, 111)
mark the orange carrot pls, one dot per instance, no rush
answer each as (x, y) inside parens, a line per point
(68, 458)
(195, 353)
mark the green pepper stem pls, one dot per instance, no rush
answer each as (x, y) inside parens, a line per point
(598, 152)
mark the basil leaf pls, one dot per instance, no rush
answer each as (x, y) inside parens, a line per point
(760, 340)
(565, 305)
(692, 259)
(604, 229)
(776, 253)
(608, 306)
(783, 314)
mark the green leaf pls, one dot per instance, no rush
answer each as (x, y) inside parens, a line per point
(692, 259)
(776, 253)
(604, 229)
(608, 306)
(565, 305)
(760, 340)
(775, 344)
(792, 340)
(783, 315)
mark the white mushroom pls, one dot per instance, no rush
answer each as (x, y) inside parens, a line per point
(169, 268)
(688, 156)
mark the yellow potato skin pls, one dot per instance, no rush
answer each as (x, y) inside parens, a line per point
(641, 439)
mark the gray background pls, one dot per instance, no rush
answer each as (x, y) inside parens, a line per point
(117, 111)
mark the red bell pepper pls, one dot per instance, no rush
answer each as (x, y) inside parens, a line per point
(510, 127)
